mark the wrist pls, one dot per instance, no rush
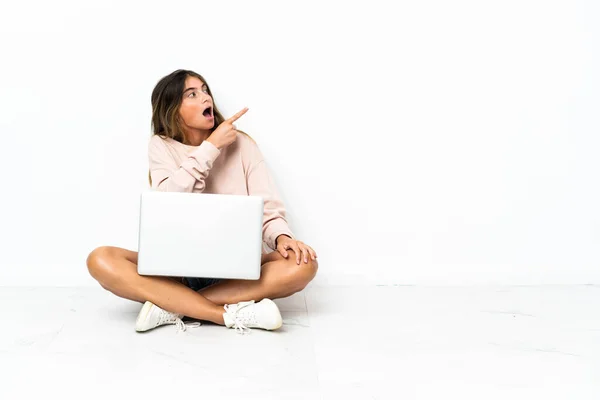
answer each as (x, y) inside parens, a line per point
(277, 239)
(213, 143)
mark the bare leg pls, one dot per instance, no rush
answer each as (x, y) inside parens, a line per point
(279, 278)
(116, 270)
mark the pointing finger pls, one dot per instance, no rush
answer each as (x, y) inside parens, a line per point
(238, 115)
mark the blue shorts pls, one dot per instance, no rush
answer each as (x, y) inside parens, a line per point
(199, 283)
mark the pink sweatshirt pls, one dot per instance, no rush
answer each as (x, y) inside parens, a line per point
(237, 169)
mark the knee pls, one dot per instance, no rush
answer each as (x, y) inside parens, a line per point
(302, 274)
(100, 264)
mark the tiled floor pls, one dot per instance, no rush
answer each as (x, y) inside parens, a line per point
(336, 343)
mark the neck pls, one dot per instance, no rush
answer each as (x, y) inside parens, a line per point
(195, 137)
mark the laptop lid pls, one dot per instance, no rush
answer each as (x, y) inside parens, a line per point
(200, 235)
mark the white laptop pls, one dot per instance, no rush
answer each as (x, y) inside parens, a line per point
(200, 235)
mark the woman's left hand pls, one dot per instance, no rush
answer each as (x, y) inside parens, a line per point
(301, 249)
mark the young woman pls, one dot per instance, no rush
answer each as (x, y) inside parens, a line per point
(194, 149)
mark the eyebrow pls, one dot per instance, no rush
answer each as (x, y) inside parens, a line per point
(193, 88)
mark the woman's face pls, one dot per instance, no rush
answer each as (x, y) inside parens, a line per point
(196, 106)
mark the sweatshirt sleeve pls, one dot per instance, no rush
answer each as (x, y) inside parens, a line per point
(260, 183)
(168, 176)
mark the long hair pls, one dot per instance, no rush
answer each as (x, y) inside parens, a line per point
(166, 100)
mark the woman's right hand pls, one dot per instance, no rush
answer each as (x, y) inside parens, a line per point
(225, 134)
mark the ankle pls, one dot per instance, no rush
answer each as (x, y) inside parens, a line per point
(218, 315)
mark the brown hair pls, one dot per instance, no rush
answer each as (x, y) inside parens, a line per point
(166, 100)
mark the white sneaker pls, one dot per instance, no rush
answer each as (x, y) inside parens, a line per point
(248, 314)
(152, 316)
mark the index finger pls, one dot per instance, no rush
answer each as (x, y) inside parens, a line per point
(238, 115)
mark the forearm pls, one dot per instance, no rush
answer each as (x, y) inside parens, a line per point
(191, 174)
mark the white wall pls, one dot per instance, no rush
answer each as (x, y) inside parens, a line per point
(428, 142)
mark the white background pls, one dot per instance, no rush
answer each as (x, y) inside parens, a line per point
(427, 142)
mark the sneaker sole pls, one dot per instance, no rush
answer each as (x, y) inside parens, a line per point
(142, 316)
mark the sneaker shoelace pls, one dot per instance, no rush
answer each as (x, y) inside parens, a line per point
(168, 317)
(241, 320)
(181, 326)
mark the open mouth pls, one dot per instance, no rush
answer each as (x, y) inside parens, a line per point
(208, 113)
